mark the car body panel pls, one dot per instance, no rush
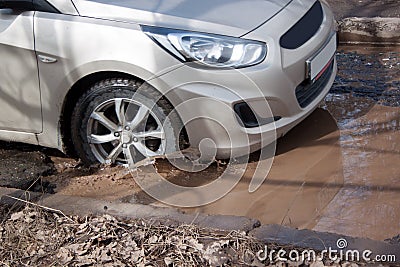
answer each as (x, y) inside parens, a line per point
(19, 88)
(222, 16)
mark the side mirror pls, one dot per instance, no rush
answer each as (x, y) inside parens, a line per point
(17, 4)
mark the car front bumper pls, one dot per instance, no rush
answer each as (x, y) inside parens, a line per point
(206, 98)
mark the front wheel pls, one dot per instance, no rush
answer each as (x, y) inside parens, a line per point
(123, 121)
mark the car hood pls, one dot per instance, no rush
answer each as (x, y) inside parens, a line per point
(230, 17)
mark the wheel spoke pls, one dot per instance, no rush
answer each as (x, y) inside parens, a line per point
(140, 116)
(120, 110)
(144, 150)
(100, 117)
(111, 158)
(156, 134)
(101, 139)
(128, 155)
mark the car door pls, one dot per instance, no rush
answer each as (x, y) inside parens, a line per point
(20, 105)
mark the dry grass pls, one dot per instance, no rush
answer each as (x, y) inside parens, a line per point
(35, 237)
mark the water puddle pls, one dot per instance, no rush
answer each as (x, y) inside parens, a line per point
(368, 205)
(338, 170)
(305, 176)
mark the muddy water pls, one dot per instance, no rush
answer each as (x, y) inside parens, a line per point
(305, 176)
(337, 171)
(368, 205)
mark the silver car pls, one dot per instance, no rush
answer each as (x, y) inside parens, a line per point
(118, 80)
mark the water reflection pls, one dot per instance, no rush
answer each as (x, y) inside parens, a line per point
(365, 102)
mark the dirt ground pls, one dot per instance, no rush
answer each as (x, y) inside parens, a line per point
(337, 171)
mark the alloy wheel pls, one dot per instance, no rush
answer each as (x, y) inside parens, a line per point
(124, 131)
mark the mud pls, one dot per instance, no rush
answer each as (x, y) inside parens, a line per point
(102, 182)
(365, 8)
(21, 169)
(337, 171)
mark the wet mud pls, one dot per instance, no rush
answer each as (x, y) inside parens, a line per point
(21, 166)
(338, 171)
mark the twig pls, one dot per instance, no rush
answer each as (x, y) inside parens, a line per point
(41, 206)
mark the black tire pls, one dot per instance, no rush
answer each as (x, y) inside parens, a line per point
(141, 95)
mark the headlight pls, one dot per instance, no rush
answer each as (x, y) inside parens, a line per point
(209, 49)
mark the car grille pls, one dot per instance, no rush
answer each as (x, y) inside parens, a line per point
(306, 92)
(304, 29)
